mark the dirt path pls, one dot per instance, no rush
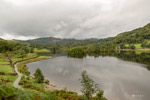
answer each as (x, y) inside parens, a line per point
(16, 82)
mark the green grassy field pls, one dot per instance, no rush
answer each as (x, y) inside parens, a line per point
(6, 69)
(40, 50)
(4, 63)
(127, 45)
(138, 46)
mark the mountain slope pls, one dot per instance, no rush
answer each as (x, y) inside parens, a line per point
(139, 35)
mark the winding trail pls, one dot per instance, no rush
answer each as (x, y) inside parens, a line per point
(16, 82)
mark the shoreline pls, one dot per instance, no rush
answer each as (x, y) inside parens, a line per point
(52, 86)
(135, 50)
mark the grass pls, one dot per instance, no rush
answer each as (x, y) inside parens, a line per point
(147, 40)
(4, 63)
(138, 46)
(30, 84)
(7, 79)
(28, 56)
(22, 68)
(127, 45)
(144, 49)
(32, 60)
(138, 52)
(11, 78)
(6, 69)
(40, 50)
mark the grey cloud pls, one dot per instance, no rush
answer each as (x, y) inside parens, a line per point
(72, 19)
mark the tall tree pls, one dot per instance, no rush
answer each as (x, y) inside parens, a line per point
(9, 55)
(38, 76)
(89, 87)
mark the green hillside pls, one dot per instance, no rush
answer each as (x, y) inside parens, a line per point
(139, 37)
(53, 40)
(136, 36)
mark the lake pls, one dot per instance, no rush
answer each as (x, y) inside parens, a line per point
(120, 80)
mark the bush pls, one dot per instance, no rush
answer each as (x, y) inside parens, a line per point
(132, 47)
(11, 93)
(46, 82)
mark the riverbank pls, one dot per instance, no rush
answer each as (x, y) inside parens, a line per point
(35, 86)
(23, 69)
(136, 50)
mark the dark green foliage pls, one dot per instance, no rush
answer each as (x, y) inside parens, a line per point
(11, 49)
(76, 52)
(132, 46)
(24, 69)
(6, 46)
(11, 93)
(145, 45)
(38, 76)
(122, 46)
(67, 95)
(46, 82)
(99, 95)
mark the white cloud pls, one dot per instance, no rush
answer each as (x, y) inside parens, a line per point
(8, 36)
(72, 18)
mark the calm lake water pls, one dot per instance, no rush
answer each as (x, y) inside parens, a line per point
(120, 80)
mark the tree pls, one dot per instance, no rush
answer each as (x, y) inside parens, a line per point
(132, 46)
(89, 87)
(39, 76)
(122, 46)
(77, 52)
(99, 95)
(9, 55)
(22, 54)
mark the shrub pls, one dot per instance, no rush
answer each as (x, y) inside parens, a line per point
(46, 82)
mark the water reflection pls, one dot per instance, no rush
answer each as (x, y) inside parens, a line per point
(120, 80)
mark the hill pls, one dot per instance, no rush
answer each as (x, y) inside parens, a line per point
(138, 36)
(53, 40)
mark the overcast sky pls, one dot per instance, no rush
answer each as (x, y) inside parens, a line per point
(27, 19)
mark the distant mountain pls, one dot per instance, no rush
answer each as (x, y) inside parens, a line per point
(53, 40)
(92, 39)
(49, 40)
